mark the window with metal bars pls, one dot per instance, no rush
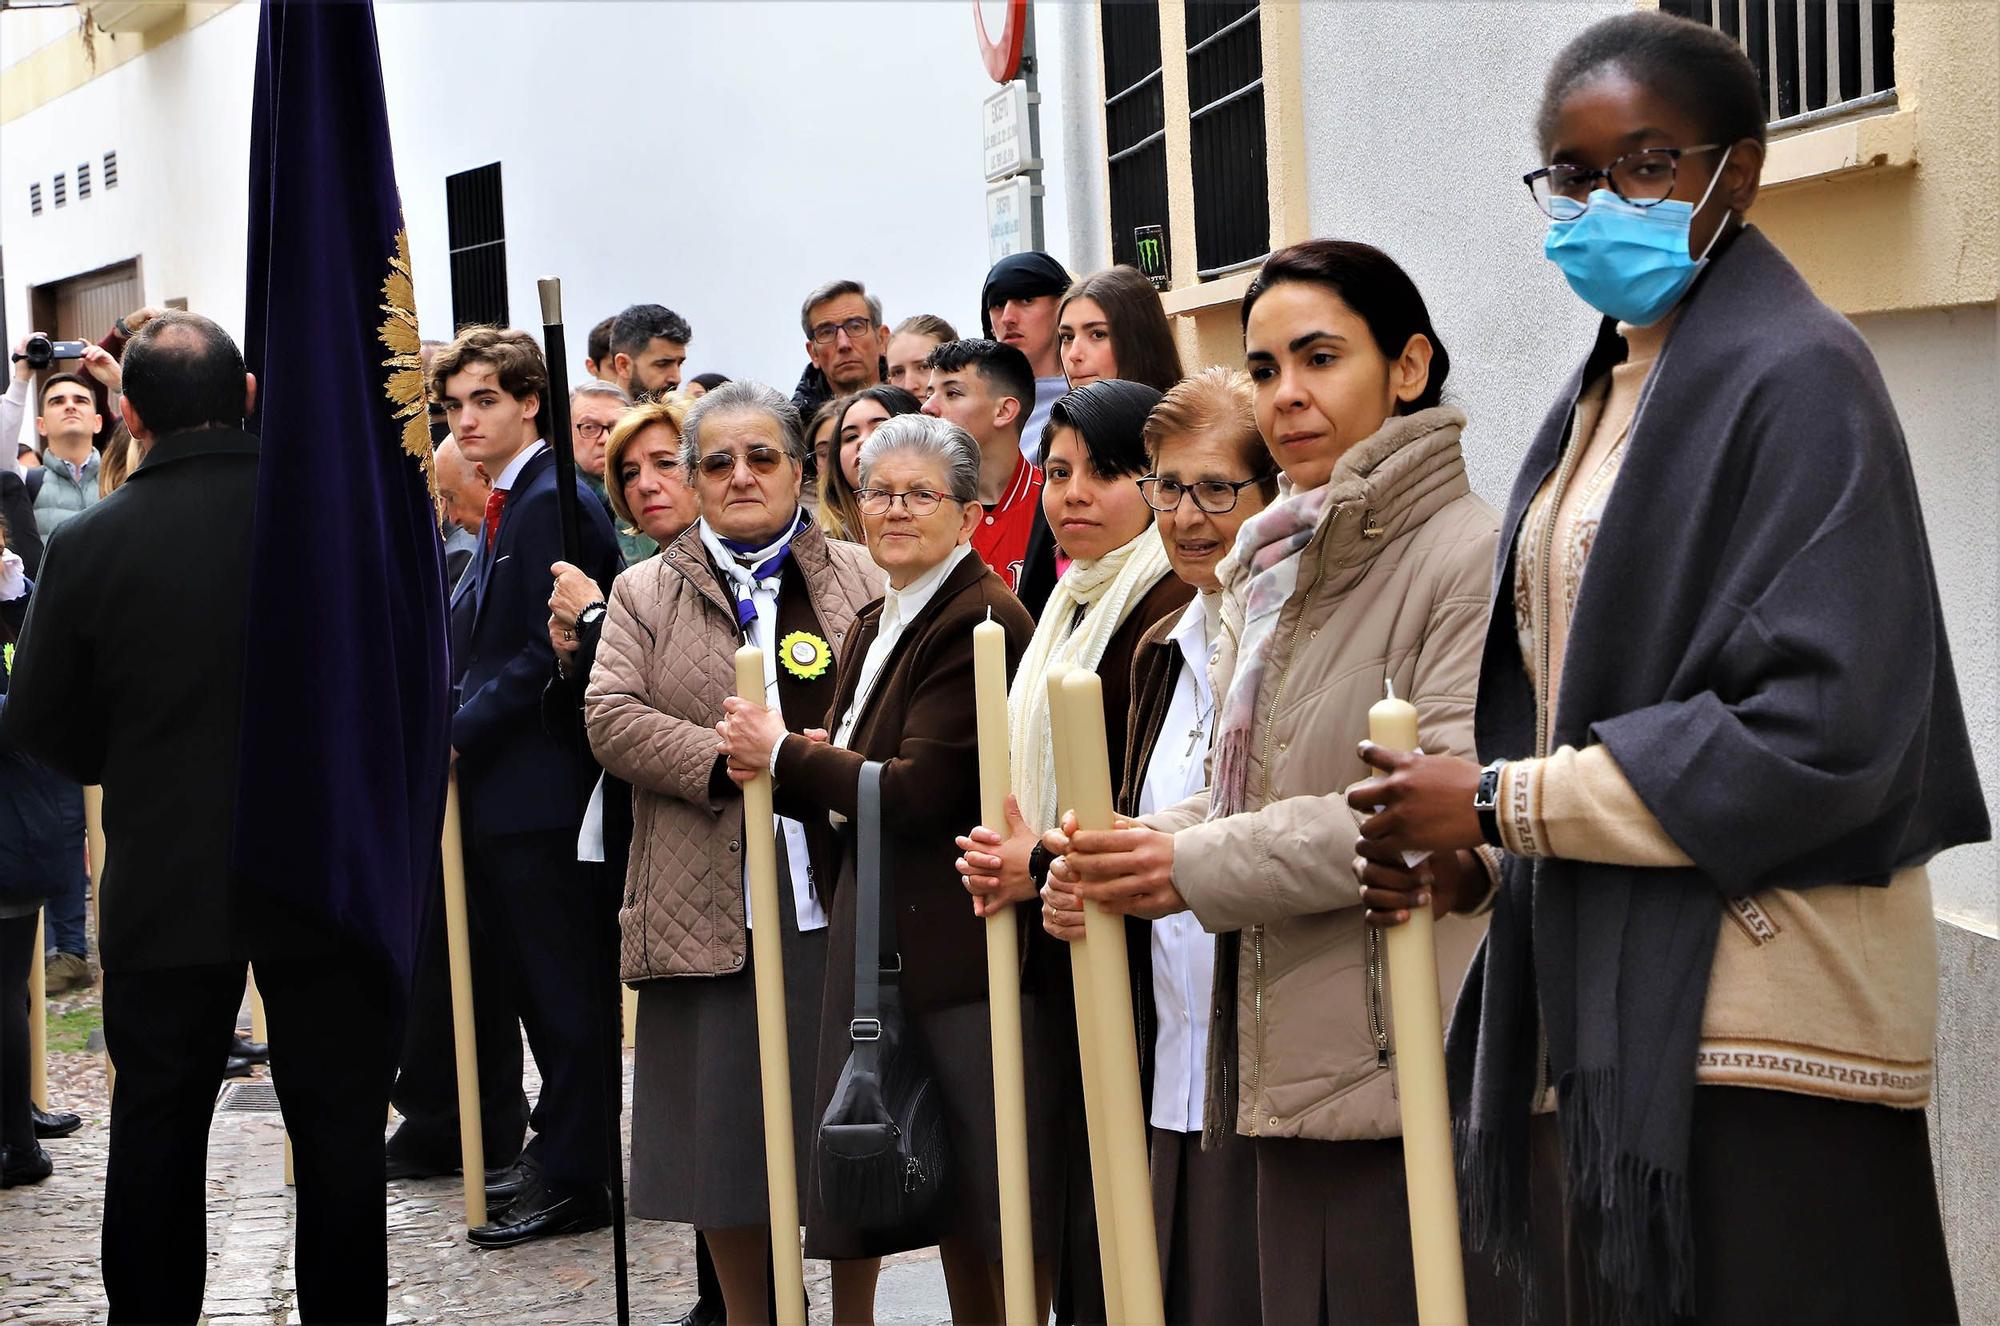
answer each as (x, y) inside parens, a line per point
(1225, 68)
(83, 179)
(475, 224)
(35, 199)
(1135, 124)
(1816, 59)
(110, 170)
(62, 189)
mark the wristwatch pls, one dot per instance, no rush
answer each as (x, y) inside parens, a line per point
(591, 615)
(1039, 860)
(1486, 803)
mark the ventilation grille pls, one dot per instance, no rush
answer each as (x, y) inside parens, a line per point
(35, 199)
(83, 179)
(110, 170)
(249, 1098)
(62, 189)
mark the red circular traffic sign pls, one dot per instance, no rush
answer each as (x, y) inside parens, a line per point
(1003, 57)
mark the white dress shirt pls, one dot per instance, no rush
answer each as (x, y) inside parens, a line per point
(1183, 953)
(764, 634)
(504, 481)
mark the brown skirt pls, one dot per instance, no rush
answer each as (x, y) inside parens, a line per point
(958, 1043)
(1333, 1220)
(1205, 1212)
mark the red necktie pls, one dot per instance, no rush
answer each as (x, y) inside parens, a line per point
(496, 502)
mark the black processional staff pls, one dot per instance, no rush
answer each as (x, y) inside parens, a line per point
(571, 523)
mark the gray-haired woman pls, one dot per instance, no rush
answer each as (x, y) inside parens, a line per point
(753, 568)
(905, 698)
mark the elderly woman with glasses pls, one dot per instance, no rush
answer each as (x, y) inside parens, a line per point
(905, 698)
(752, 569)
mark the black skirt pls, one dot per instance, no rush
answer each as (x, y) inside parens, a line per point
(1808, 1210)
(697, 1094)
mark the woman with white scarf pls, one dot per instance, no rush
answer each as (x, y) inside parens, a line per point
(1119, 584)
(1372, 567)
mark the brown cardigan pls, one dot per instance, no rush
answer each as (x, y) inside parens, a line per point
(920, 722)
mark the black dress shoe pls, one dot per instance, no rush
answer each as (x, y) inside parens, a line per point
(544, 1210)
(705, 1312)
(48, 1125)
(238, 1067)
(22, 1165)
(506, 1184)
(242, 1047)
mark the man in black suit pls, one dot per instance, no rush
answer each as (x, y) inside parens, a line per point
(129, 673)
(523, 788)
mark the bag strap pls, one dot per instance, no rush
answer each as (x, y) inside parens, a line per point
(874, 910)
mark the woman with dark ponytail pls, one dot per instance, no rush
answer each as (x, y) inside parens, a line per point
(1717, 762)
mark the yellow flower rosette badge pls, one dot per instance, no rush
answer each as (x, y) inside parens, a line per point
(805, 655)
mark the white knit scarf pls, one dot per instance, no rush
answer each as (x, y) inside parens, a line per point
(1108, 588)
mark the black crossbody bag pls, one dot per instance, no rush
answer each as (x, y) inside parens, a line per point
(882, 1155)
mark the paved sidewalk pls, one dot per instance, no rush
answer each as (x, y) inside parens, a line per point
(49, 1241)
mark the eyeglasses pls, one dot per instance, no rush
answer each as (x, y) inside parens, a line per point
(590, 430)
(1216, 496)
(856, 328)
(919, 502)
(722, 464)
(1641, 178)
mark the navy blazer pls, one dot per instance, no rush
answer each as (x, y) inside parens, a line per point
(516, 777)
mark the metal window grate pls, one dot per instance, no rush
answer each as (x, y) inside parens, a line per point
(110, 170)
(83, 179)
(61, 189)
(254, 1097)
(1815, 58)
(1135, 125)
(476, 223)
(1225, 67)
(35, 199)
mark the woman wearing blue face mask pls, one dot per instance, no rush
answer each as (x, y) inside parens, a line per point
(1717, 763)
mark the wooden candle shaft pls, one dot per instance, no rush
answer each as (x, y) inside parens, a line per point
(458, 946)
(38, 1019)
(1003, 989)
(781, 1170)
(1096, 1116)
(1110, 980)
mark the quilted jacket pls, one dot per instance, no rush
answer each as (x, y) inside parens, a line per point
(664, 666)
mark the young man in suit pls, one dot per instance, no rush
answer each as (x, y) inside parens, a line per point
(129, 673)
(524, 789)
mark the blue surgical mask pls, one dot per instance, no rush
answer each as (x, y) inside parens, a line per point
(1628, 262)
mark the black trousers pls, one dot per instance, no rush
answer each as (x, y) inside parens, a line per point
(426, 1093)
(557, 934)
(17, 958)
(334, 1029)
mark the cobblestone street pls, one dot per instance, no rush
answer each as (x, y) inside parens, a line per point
(49, 1238)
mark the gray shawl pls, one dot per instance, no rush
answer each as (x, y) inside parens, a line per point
(1759, 644)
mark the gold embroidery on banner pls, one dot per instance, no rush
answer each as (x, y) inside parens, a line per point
(1755, 921)
(405, 386)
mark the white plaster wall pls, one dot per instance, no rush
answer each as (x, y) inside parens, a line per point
(721, 158)
(1419, 129)
(1943, 370)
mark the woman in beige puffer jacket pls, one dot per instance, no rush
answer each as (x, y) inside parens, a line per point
(1373, 567)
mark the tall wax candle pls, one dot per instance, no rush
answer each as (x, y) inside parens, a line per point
(1420, 1085)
